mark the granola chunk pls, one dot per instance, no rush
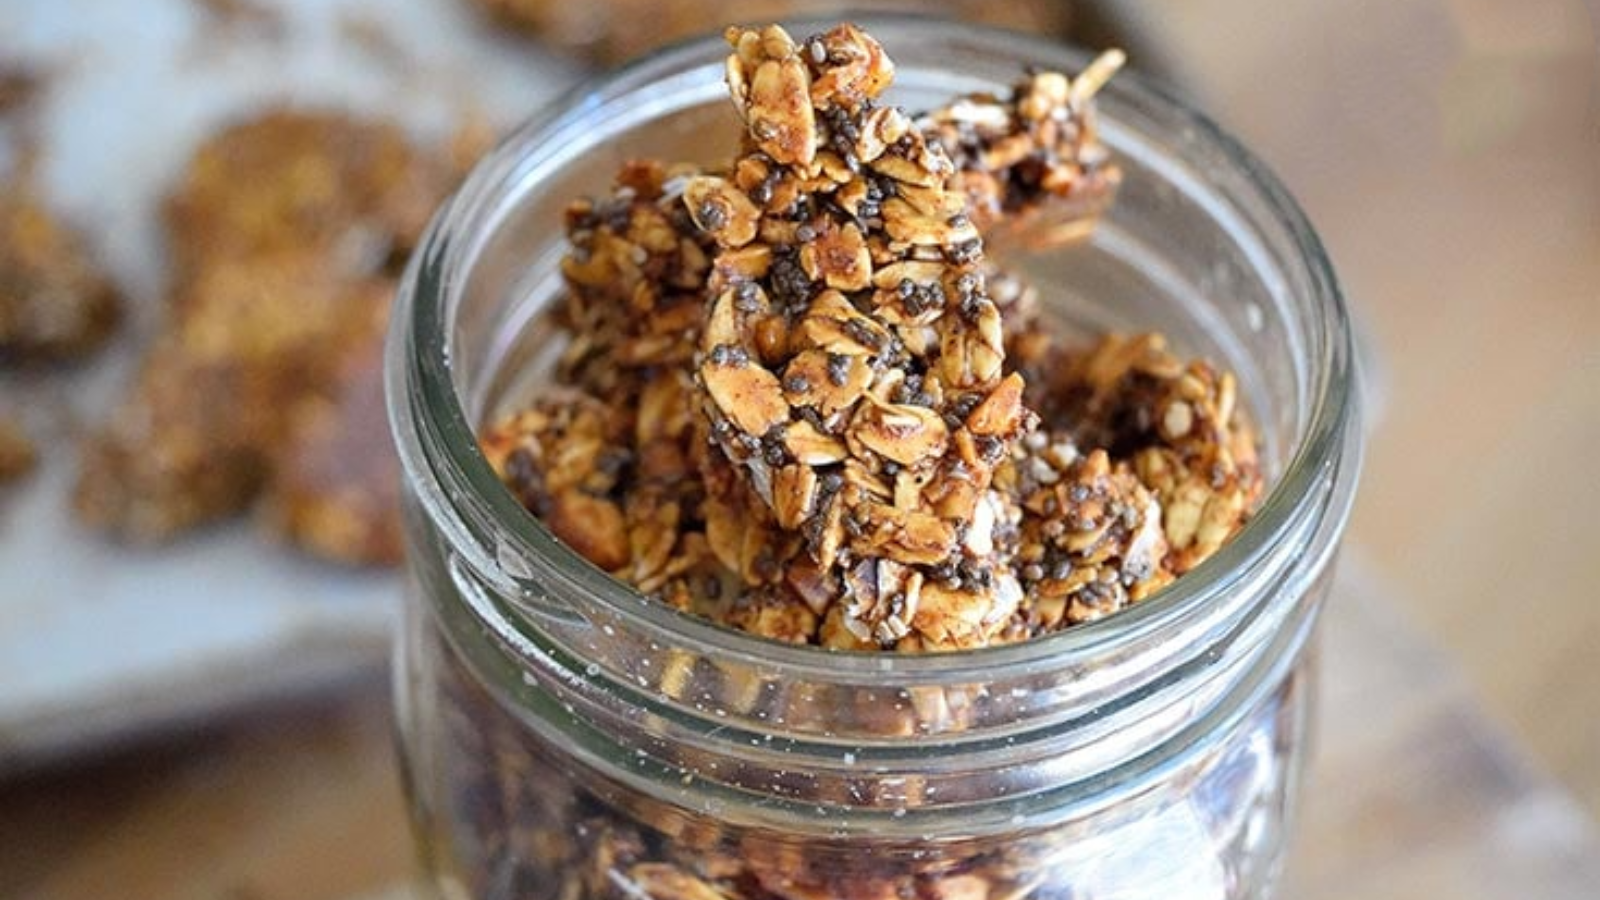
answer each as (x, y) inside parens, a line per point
(55, 303)
(1032, 161)
(286, 231)
(352, 189)
(334, 487)
(1178, 424)
(191, 440)
(854, 374)
(1091, 535)
(636, 275)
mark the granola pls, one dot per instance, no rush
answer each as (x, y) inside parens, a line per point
(331, 489)
(55, 303)
(798, 398)
(609, 29)
(190, 441)
(1033, 162)
(286, 232)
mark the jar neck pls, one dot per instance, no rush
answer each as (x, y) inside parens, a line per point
(672, 706)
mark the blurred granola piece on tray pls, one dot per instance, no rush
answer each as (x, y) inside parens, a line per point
(354, 190)
(609, 30)
(190, 441)
(55, 302)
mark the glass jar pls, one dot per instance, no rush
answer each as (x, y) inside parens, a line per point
(563, 737)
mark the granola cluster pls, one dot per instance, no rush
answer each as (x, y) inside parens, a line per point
(799, 399)
(286, 235)
(55, 303)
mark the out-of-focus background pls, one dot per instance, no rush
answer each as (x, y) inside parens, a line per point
(192, 627)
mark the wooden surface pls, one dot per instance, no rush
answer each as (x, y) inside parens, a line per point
(1447, 151)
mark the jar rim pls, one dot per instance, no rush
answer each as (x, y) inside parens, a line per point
(456, 487)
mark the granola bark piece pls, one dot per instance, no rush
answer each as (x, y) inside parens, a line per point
(1032, 163)
(55, 302)
(636, 274)
(18, 455)
(564, 458)
(851, 359)
(1177, 423)
(191, 440)
(353, 189)
(1091, 535)
(334, 488)
(285, 230)
(609, 31)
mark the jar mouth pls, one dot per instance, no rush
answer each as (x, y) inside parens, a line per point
(455, 486)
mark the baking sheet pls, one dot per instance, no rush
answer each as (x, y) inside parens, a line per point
(98, 641)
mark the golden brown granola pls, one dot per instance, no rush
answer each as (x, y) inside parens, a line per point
(17, 453)
(1180, 426)
(853, 462)
(1032, 163)
(55, 303)
(851, 359)
(354, 190)
(285, 233)
(191, 440)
